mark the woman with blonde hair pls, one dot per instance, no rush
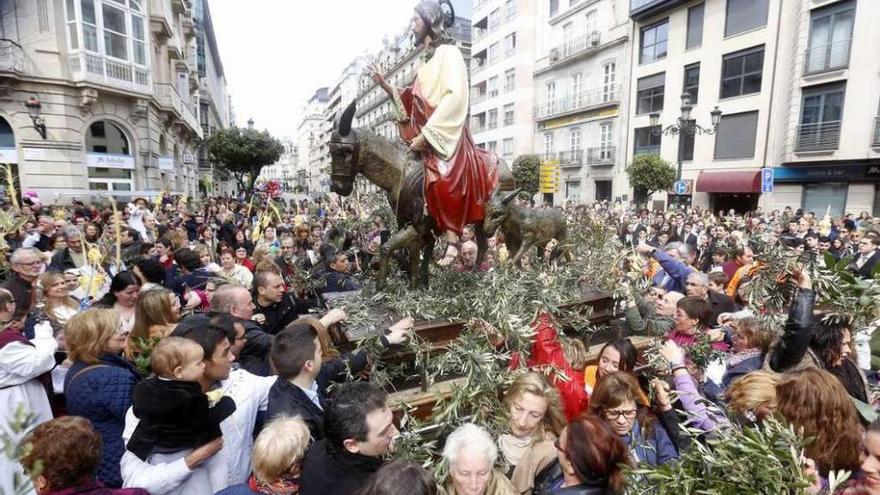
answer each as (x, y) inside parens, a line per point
(157, 312)
(818, 406)
(277, 458)
(99, 384)
(59, 307)
(535, 419)
(753, 395)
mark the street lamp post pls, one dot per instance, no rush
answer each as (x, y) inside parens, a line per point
(685, 126)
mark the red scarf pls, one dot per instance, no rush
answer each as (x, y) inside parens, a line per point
(287, 485)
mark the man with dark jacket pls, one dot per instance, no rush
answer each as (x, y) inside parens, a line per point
(867, 258)
(304, 376)
(359, 430)
(27, 263)
(697, 285)
(73, 256)
(274, 307)
(337, 278)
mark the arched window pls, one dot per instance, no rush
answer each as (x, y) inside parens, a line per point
(109, 157)
(8, 153)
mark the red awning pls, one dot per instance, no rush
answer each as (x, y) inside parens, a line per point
(733, 181)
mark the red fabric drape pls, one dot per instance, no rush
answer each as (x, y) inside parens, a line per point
(456, 198)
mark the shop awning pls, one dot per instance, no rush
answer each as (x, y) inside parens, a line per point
(732, 181)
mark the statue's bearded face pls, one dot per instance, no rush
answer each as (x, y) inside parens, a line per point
(418, 27)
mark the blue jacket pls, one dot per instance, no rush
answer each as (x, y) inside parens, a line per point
(656, 450)
(676, 270)
(102, 394)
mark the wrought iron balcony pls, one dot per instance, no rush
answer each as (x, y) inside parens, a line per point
(603, 155)
(822, 136)
(586, 100)
(99, 69)
(831, 56)
(578, 45)
(168, 98)
(571, 159)
(11, 57)
(646, 150)
(876, 141)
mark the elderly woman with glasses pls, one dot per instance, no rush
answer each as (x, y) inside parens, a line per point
(615, 400)
(99, 384)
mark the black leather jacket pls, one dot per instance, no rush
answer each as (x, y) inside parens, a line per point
(552, 474)
(795, 341)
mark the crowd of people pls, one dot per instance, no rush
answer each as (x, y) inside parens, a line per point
(172, 348)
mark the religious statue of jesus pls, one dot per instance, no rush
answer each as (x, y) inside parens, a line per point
(432, 115)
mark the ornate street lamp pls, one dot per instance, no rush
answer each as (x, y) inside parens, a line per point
(34, 109)
(685, 126)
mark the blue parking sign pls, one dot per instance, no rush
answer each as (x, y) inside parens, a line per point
(766, 180)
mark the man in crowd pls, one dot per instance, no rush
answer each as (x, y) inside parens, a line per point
(337, 277)
(359, 431)
(274, 308)
(73, 256)
(41, 236)
(27, 264)
(698, 286)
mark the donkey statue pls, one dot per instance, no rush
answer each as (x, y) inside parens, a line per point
(394, 168)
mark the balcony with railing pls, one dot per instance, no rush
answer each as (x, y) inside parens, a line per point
(100, 69)
(585, 100)
(571, 50)
(601, 156)
(169, 99)
(11, 58)
(830, 56)
(821, 136)
(571, 158)
(875, 142)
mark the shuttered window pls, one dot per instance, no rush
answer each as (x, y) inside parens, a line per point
(736, 136)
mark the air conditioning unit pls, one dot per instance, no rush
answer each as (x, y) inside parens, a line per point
(594, 38)
(554, 54)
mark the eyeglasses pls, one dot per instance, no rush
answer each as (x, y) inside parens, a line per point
(613, 414)
(32, 263)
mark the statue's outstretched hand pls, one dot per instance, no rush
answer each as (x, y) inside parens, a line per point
(378, 78)
(419, 143)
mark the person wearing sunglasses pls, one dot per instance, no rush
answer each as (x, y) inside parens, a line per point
(615, 400)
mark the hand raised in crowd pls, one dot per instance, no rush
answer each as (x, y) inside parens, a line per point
(397, 333)
(259, 318)
(644, 248)
(333, 317)
(672, 353)
(661, 394)
(803, 278)
(203, 453)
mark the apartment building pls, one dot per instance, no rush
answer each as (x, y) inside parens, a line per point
(99, 96)
(309, 131)
(502, 64)
(826, 121)
(582, 62)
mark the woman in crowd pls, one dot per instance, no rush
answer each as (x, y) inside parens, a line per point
(753, 396)
(389, 479)
(471, 455)
(535, 419)
(233, 271)
(156, 316)
(57, 243)
(615, 400)
(812, 400)
(92, 233)
(23, 364)
(59, 306)
(241, 258)
(590, 457)
(63, 457)
(122, 297)
(869, 484)
(207, 237)
(277, 457)
(99, 384)
(617, 355)
(240, 240)
(205, 256)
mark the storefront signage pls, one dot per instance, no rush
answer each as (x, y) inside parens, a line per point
(577, 119)
(8, 155)
(842, 173)
(188, 158)
(166, 163)
(549, 177)
(107, 160)
(34, 154)
(766, 180)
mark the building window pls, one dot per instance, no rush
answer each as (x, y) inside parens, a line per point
(650, 93)
(493, 118)
(549, 150)
(692, 81)
(695, 26)
(741, 72)
(830, 37)
(606, 141)
(110, 27)
(736, 136)
(508, 114)
(647, 141)
(577, 95)
(744, 15)
(821, 197)
(573, 190)
(507, 147)
(494, 53)
(592, 22)
(493, 87)
(106, 138)
(510, 8)
(510, 44)
(509, 80)
(821, 115)
(609, 88)
(492, 146)
(574, 140)
(653, 42)
(550, 96)
(554, 7)
(494, 19)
